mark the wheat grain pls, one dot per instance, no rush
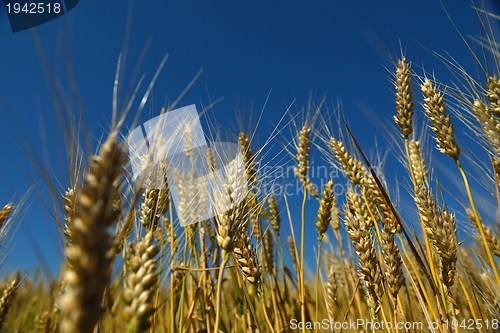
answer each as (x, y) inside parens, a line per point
(247, 259)
(493, 94)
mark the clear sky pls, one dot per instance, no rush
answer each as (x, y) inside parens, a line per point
(247, 49)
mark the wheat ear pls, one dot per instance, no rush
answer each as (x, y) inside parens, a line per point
(490, 123)
(4, 213)
(440, 227)
(139, 285)
(70, 212)
(231, 206)
(322, 223)
(303, 148)
(247, 258)
(491, 237)
(248, 158)
(392, 258)
(391, 254)
(325, 210)
(331, 292)
(7, 298)
(404, 99)
(361, 236)
(274, 214)
(417, 164)
(91, 253)
(441, 125)
(447, 248)
(350, 166)
(44, 322)
(440, 121)
(493, 94)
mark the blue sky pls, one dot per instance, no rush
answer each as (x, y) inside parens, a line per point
(246, 48)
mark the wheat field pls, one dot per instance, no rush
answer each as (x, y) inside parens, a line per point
(131, 267)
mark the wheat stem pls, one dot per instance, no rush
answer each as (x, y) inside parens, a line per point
(225, 259)
(302, 291)
(479, 224)
(318, 270)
